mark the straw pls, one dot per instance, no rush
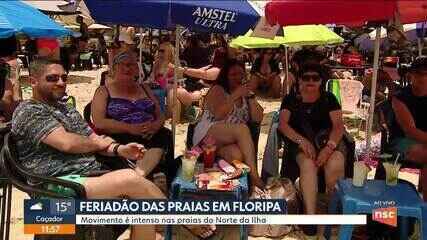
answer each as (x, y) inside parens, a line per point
(397, 158)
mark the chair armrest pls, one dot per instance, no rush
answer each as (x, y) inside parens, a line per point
(9, 165)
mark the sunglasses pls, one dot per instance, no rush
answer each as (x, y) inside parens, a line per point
(161, 50)
(55, 78)
(307, 78)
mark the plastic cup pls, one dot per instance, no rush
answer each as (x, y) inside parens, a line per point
(209, 155)
(187, 168)
(392, 173)
(360, 173)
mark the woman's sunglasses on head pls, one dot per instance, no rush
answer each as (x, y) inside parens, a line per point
(56, 77)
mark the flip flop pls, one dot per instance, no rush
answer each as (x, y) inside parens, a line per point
(202, 234)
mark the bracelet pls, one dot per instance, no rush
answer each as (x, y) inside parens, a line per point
(113, 142)
(116, 150)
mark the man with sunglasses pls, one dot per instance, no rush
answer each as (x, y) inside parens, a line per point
(410, 131)
(52, 139)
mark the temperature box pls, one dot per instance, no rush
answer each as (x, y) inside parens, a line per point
(55, 216)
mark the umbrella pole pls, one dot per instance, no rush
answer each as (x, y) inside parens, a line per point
(373, 88)
(175, 82)
(287, 72)
(140, 55)
(420, 47)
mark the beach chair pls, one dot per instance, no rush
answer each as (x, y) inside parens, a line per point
(349, 95)
(19, 176)
(86, 60)
(6, 196)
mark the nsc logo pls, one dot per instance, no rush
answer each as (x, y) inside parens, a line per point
(385, 215)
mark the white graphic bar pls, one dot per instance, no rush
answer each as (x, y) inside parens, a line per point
(87, 219)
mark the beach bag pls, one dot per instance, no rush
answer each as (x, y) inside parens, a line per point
(276, 189)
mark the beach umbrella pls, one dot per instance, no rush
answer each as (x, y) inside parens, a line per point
(413, 33)
(97, 26)
(246, 41)
(292, 36)
(310, 35)
(303, 35)
(18, 17)
(410, 30)
(348, 12)
(226, 17)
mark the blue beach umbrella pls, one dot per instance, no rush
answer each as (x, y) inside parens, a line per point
(224, 16)
(18, 17)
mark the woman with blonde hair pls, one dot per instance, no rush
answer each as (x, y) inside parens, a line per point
(163, 75)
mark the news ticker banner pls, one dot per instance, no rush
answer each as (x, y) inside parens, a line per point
(60, 216)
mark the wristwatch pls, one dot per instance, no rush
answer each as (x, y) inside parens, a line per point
(116, 150)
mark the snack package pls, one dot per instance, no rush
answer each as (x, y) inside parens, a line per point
(227, 185)
(215, 181)
(235, 174)
(226, 167)
(239, 165)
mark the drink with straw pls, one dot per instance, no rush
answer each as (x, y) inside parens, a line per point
(360, 173)
(188, 163)
(209, 149)
(209, 155)
(392, 172)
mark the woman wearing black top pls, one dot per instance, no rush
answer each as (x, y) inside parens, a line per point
(312, 121)
(265, 71)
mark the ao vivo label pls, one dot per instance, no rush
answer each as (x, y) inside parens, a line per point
(385, 215)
